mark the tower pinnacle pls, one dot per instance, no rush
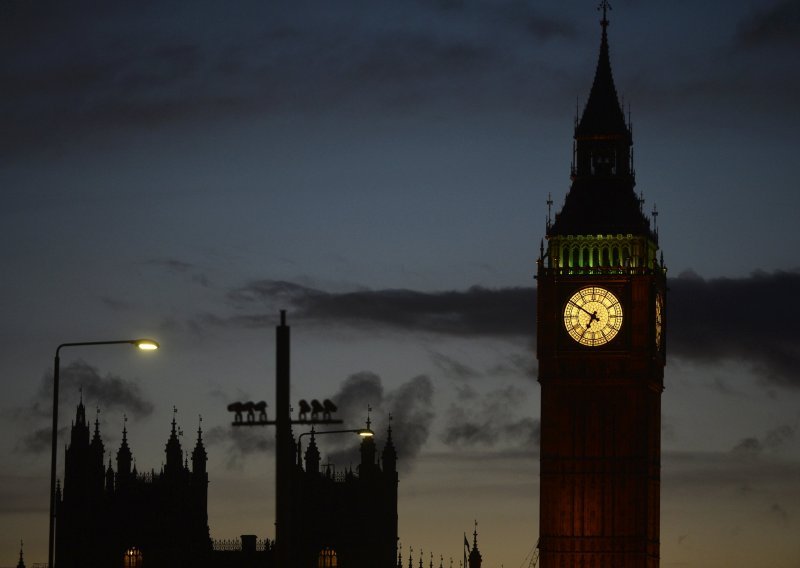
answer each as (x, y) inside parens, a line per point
(604, 6)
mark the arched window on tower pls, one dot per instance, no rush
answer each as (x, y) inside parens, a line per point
(327, 558)
(132, 558)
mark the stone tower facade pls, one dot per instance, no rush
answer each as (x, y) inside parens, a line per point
(601, 350)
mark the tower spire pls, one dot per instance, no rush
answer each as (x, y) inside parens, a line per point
(605, 7)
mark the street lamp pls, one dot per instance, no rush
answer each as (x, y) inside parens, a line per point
(363, 432)
(144, 345)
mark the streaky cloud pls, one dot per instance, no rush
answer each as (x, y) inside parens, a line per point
(708, 321)
(488, 420)
(477, 311)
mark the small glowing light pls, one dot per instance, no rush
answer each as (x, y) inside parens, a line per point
(366, 433)
(146, 344)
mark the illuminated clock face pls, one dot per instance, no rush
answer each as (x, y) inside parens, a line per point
(593, 316)
(659, 319)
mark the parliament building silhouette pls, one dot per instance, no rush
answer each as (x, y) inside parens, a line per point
(108, 517)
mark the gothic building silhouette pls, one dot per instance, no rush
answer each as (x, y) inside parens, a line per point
(108, 517)
(328, 519)
(346, 519)
(601, 350)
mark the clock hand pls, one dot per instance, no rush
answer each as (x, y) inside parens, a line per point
(592, 315)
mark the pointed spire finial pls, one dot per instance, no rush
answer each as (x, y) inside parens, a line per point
(605, 6)
(369, 422)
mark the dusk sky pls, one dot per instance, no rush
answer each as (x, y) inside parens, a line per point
(381, 169)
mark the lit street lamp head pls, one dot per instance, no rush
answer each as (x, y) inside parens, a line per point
(365, 433)
(146, 344)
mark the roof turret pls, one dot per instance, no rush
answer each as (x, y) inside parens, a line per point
(124, 456)
(199, 456)
(173, 449)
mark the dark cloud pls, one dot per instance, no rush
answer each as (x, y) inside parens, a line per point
(410, 408)
(170, 263)
(746, 319)
(489, 420)
(475, 312)
(512, 365)
(773, 440)
(452, 368)
(77, 380)
(778, 24)
(116, 304)
(516, 364)
(181, 267)
(39, 441)
(93, 70)
(241, 442)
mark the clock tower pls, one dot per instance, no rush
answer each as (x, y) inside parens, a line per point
(601, 351)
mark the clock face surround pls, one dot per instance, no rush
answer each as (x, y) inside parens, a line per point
(593, 316)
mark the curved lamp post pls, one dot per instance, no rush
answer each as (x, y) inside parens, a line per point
(363, 432)
(144, 345)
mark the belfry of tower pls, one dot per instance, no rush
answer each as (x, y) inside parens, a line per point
(601, 350)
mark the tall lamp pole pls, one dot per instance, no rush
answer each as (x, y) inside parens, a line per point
(143, 344)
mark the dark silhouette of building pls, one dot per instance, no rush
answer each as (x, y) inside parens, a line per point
(108, 518)
(601, 351)
(346, 519)
(326, 518)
